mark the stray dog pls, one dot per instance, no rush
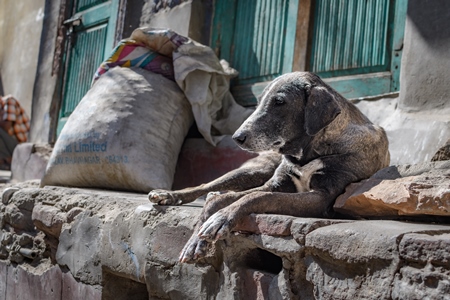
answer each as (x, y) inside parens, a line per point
(312, 144)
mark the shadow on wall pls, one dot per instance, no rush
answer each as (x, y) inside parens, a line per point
(431, 21)
(418, 122)
(1, 85)
(414, 137)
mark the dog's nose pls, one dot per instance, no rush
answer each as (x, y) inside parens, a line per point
(239, 137)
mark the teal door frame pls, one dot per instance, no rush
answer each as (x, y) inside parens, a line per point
(93, 27)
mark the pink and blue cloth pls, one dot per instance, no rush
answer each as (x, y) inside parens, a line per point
(150, 50)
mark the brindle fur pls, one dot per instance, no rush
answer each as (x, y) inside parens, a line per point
(313, 143)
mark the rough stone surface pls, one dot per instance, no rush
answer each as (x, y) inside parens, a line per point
(91, 232)
(301, 227)
(266, 224)
(43, 284)
(426, 191)
(29, 161)
(49, 219)
(359, 260)
(425, 273)
(422, 283)
(79, 248)
(118, 245)
(3, 279)
(74, 290)
(425, 248)
(443, 153)
(426, 59)
(257, 285)
(122, 288)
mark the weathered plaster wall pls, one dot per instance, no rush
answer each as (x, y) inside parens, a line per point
(20, 34)
(45, 88)
(414, 137)
(189, 18)
(426, 57)
(418, 122)
(132, 16)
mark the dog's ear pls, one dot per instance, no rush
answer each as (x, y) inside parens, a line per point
(321, 109)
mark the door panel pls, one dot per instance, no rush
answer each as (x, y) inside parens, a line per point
(86, 56)
(88, 45)
(354, 43)
(350, 37)
(256, 38)
(85, 4)
(259, 54)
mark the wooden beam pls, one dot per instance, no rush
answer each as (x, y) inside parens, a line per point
(302, 36)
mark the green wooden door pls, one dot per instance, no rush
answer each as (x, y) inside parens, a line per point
(257, 38)
(93, 25)
(357, 45)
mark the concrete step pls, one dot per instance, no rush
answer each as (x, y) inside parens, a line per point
(5, 176)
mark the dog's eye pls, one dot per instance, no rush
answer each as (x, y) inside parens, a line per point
(278, 100)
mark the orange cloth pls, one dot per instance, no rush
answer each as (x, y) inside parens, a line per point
(14, 112)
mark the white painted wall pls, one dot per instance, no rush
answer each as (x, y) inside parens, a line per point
(20, 35)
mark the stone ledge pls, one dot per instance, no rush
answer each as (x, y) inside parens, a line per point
(417, 191)
(113, 241)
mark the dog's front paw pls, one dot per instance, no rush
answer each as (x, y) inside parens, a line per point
(194, 249)
(216, 227)
(163, 197)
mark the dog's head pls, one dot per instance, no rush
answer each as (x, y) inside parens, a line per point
(292, 109)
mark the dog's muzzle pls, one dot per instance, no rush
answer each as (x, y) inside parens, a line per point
(239, 137)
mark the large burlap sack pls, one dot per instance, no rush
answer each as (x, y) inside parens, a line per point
(125, 134)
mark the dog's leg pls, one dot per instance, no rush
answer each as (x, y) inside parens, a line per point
(253, 173)
(196, 247)
(222, 212)
(309, 204)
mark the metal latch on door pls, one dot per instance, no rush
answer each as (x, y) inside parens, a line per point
(70, 24)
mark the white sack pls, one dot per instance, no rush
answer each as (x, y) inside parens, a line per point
(125, 134)
(206, 83)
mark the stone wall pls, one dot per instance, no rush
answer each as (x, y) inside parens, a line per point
(77, 243)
